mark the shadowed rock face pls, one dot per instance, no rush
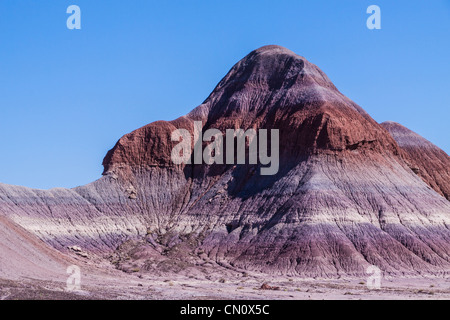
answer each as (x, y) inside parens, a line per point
(343, 199)
(427, 160)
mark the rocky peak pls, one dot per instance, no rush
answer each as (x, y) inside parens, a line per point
(273, 88)
(271, 77)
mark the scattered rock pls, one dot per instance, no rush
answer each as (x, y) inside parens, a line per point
(265, 286)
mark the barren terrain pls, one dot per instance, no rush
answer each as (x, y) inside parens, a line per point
(349, 194)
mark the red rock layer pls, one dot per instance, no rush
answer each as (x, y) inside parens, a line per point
(428, 161)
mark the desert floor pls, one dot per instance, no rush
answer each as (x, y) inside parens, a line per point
(118, 285)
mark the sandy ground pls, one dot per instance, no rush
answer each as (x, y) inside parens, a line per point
(117, 285)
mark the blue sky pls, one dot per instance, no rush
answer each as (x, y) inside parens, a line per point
(66, 96)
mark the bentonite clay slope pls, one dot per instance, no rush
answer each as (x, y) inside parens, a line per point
(431, 163)
(22, 254)
(343, 199)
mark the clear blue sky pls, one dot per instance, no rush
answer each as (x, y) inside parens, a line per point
(66, 96)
